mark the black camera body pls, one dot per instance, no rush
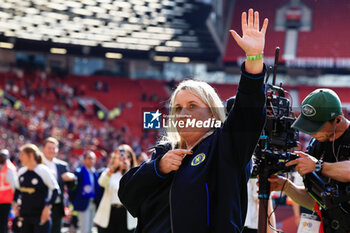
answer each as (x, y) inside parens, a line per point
(277, 140)
(278, 137)
(326, 194)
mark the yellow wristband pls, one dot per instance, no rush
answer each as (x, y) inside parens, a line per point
(255, 57)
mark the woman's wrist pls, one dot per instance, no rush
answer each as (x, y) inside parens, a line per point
(255, 57)
(254, 66)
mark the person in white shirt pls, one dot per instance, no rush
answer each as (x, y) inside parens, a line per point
(111, 216)
(251, 221)
(61, 172)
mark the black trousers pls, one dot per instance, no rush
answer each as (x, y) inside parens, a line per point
(4, 216)
(117, 221)
(32, 225)
(249, 230)
(56, 217)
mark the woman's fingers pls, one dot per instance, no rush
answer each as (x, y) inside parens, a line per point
(256, 20)
(172, 160)
(181, 151)
(178, 154)
(250, 18)
(244, 22)
(235, 36)
(175, 162)
(264, 27)
(174, 167)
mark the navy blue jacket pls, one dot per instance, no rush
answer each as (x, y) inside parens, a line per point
(81, 203)
(209, 193)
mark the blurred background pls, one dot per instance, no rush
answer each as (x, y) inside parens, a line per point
(82, 71)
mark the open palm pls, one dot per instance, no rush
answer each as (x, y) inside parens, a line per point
(253, 39)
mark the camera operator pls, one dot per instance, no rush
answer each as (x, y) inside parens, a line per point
(328, 155)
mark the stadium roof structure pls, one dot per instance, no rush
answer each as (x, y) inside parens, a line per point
(135, 28)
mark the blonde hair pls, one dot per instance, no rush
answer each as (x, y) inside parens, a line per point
(52, 140)
(206, 94)
(33, 149)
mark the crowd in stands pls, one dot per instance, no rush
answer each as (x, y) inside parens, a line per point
(76, 132)
(30, 119)
(35, 85)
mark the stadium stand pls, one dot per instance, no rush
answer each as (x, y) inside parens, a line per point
(313, 46)
(48, 110)
(275, 38)
(326, 22)
(136, 26)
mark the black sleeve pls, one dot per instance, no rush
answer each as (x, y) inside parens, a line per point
(138, 182)
(53, 198)
(16, 195)
(72, 192)
(243, 126)
(70, 184)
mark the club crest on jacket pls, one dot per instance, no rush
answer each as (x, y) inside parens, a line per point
(198, 159)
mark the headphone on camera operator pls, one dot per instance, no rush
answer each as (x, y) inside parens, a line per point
(328, 183)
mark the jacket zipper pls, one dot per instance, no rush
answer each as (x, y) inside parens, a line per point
(171, 211)
(171, 214)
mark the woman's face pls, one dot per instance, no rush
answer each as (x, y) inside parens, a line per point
(24, 158)
(115, 160)
(125, 157)
(189, 107)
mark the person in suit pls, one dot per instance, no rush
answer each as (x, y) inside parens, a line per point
(86, 194)
(61, 172)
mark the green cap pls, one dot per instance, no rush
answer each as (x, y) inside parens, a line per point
(317, 108)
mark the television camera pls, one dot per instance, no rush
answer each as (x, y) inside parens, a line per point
(277, 140)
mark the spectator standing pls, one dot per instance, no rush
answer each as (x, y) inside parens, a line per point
(61, 172)
(111, 215)
(86, 194)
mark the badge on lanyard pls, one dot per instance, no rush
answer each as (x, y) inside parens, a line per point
(308, 223)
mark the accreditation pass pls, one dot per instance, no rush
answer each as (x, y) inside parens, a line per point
(308, 224)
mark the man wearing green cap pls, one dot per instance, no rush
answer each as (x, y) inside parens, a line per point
(328, 155)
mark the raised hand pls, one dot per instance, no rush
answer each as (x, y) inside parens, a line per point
(253, 39)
